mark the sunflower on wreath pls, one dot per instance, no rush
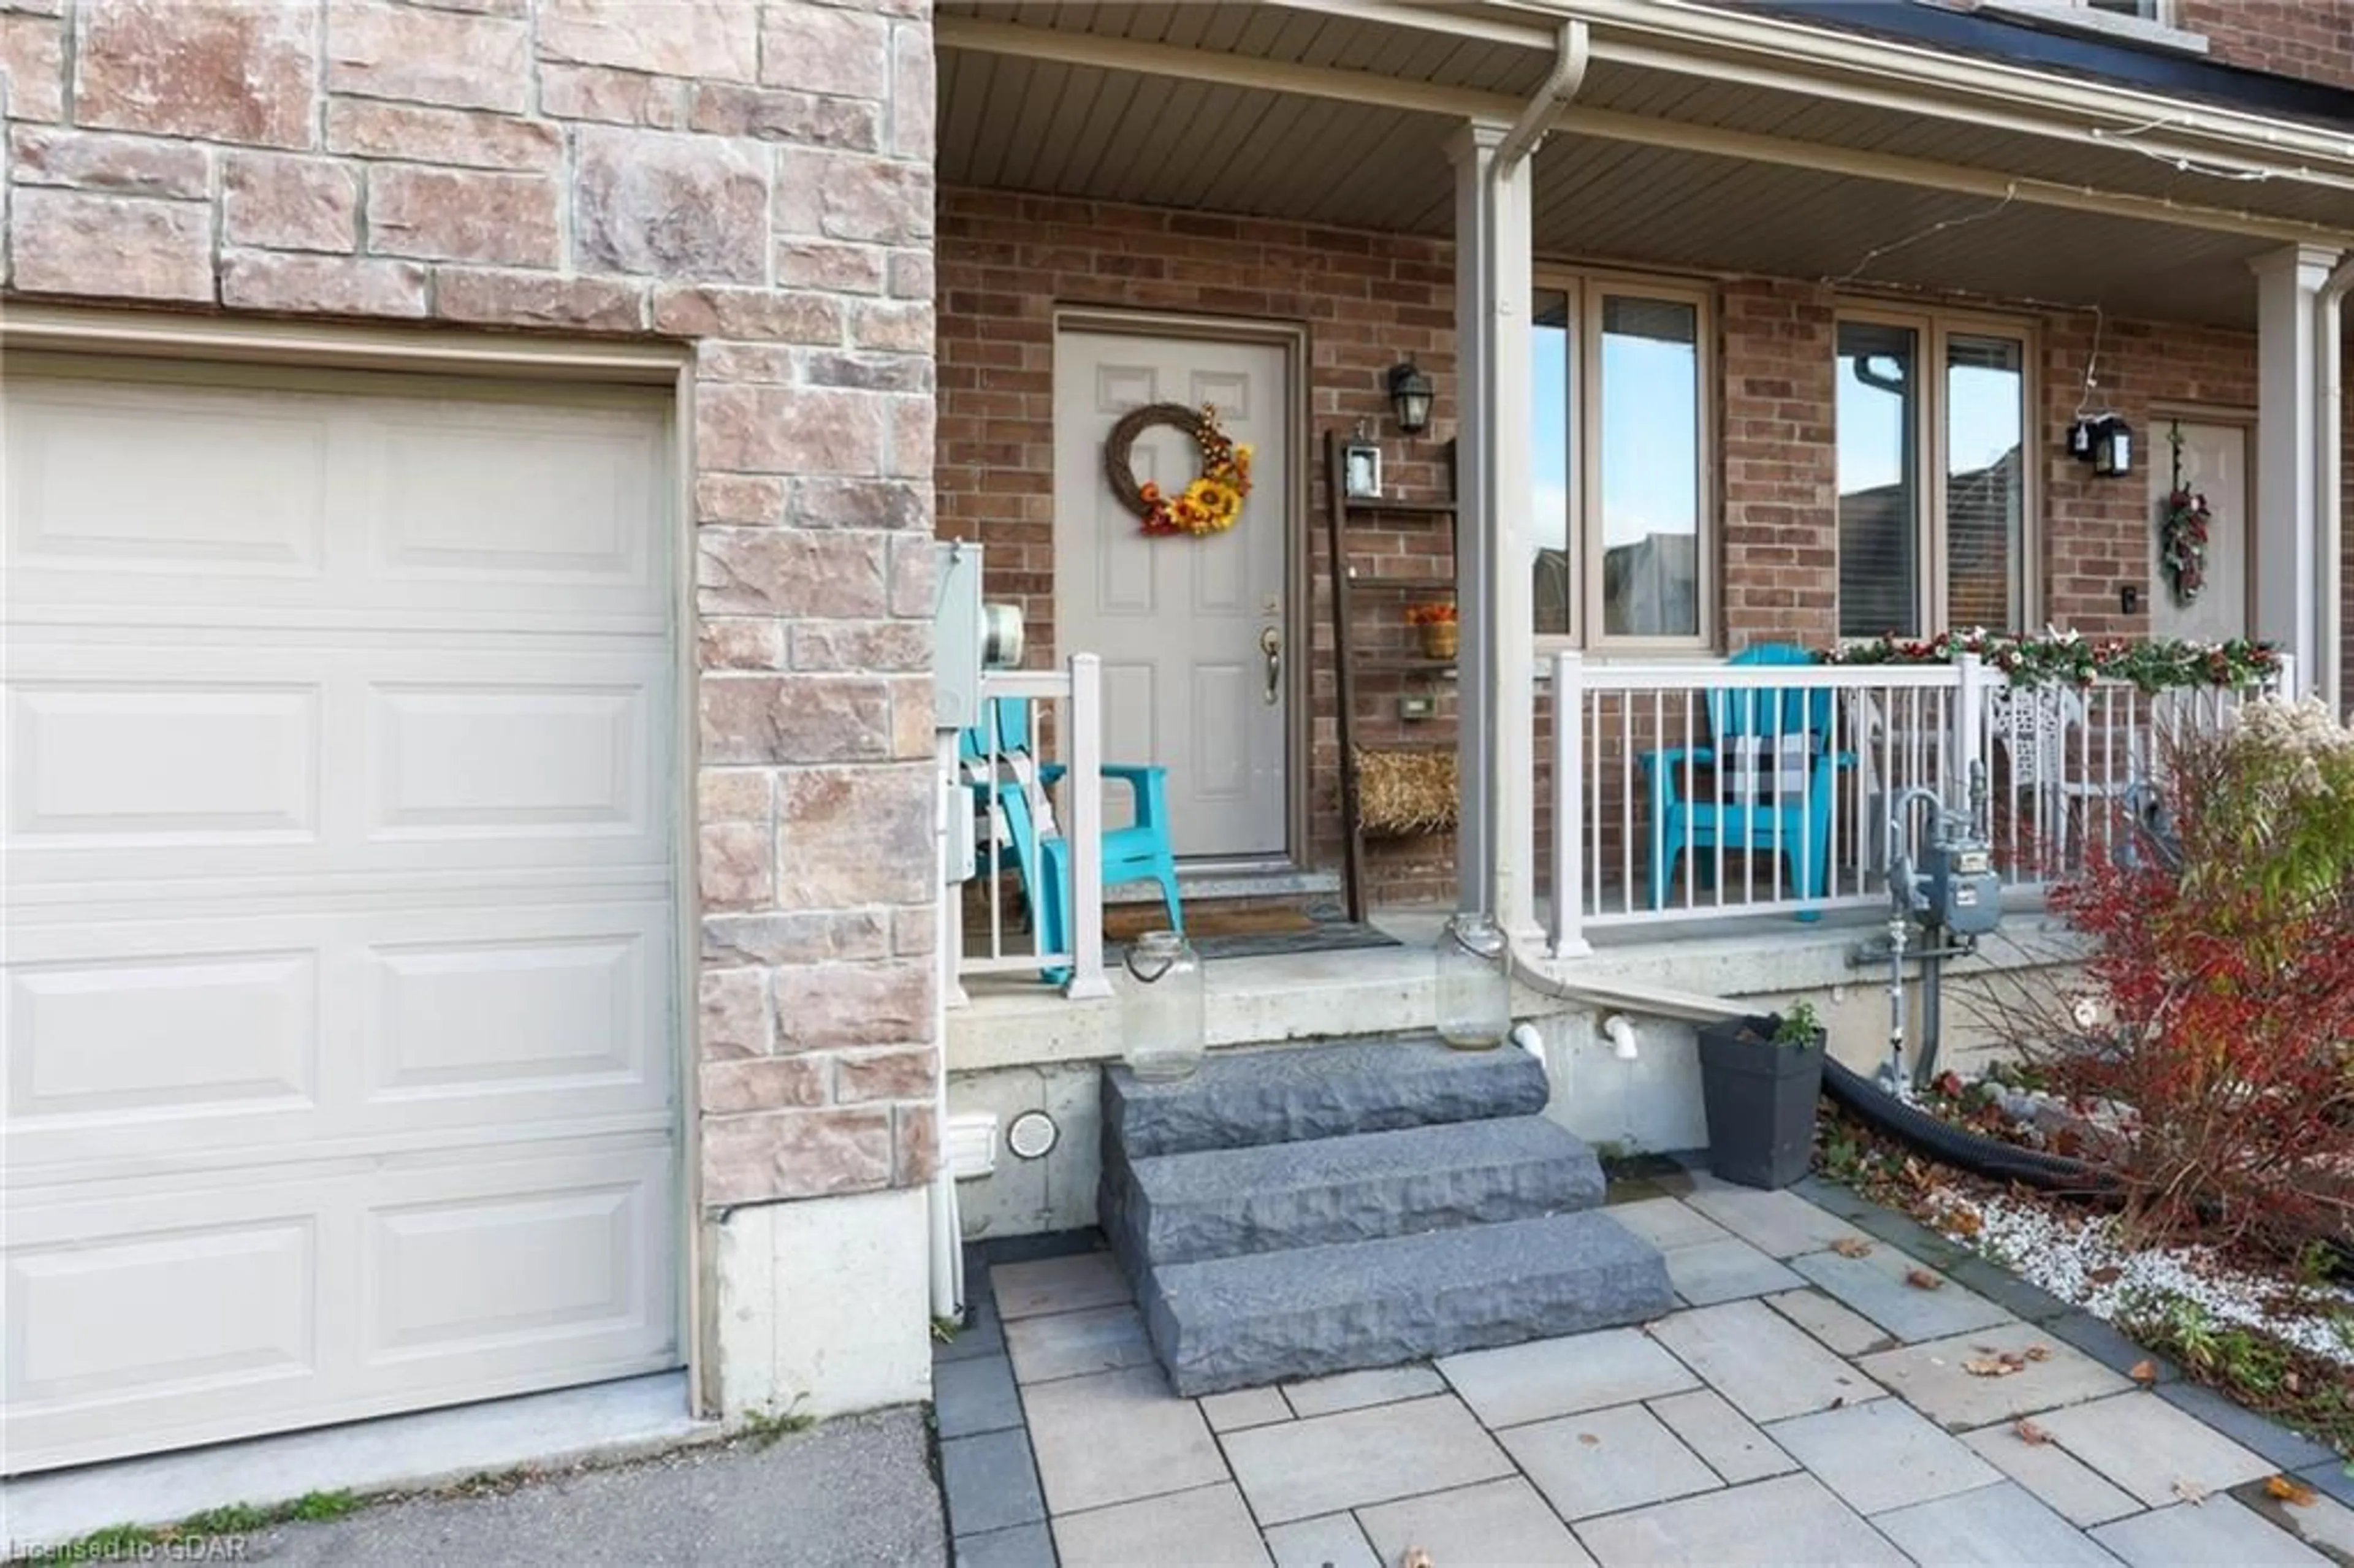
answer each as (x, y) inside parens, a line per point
(1212, 502)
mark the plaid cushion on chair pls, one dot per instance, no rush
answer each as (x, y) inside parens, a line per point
(1758, 769)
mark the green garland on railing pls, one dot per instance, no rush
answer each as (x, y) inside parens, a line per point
(2071, 658)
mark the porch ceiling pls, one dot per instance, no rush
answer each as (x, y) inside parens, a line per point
(1636, 195)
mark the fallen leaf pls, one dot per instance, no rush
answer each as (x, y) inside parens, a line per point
(2108, 1274)
(1989, 1369)
(1922, 1280)
(2038, 1352)
(2295, 1493)
(2190, 1492)
(2144, 1371)
(1415, 1557)
(2013, 1360)
(1852, 1246)
(1965, 1223)
(1588, 1437)
(2028, 1432)
(1839, 1402)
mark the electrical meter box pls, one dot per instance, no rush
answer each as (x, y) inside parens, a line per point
(969, 637)
(1958, 882)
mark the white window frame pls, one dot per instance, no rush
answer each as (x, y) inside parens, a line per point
(1933, 330)
(2157, 27)
(1587, 288)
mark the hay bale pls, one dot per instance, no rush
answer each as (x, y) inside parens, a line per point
(1401, 793)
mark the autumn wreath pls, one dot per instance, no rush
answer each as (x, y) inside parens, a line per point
(1211, 503)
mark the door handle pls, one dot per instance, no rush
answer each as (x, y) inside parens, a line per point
(1270, 642)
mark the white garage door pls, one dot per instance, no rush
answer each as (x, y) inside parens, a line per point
(340, 947)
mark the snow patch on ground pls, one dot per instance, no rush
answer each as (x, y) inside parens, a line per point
(2063, 1252)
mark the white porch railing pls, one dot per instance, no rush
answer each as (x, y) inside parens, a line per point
(1637, 764)
(1035, 810)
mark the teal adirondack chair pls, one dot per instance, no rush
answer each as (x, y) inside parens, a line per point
(1800, 823)
(1137, 852)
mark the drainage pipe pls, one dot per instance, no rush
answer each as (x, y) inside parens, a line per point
(2329, 453)
(1573, 51)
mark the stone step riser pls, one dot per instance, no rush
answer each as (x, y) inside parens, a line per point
(1239, 1322)
(1182, 1208)
(1249, 1099)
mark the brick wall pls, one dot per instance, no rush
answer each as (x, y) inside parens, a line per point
(2313, 39)
(753, 179)
(1008, 261)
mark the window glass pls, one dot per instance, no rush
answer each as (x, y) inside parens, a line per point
(1549, 450)
(1879, 501)
(1648, 456)
(1986, 490)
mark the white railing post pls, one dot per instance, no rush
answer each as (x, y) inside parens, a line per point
(1970, 725)
(2284, 683)
(1087, 830)
(1569, 806)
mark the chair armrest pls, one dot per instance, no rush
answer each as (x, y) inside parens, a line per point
(1698, 755)
(1133, 772)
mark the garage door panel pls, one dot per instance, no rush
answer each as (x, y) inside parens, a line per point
(239, 487)
(154, 1318)
(488, 759)
(538, 1015)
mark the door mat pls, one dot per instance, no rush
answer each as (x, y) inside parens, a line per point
(1246, 931)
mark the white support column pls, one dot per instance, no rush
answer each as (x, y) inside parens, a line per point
(2286, 546)
(1496, 842)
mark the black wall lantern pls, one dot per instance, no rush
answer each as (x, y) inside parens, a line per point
(1410, 395)
(2113, 448)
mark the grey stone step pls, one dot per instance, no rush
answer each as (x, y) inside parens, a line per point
(1236, 1322)
(1219, 1203)
(1245, 1099)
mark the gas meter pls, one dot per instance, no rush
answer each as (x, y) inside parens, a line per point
(1950, 884)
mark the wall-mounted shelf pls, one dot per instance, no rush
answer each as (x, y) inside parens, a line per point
(1341, 509)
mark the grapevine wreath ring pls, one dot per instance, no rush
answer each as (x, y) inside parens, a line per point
(1209, 505)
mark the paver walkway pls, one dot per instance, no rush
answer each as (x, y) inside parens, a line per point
(1807, 1405)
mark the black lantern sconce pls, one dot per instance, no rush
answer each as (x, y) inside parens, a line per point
(2113, 449)
(1411, 395)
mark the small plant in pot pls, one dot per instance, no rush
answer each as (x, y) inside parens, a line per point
(1760, 1079)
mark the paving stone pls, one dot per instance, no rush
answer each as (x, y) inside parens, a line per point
(1058, 1285)
(1073, 1344)
(1935, 1378)
(1803, 1522)
(989, 1482)
(1545, 1377)
(1875, 1286)
(1208, 1524)
(2251, 1431)
(1721, 1435)
(1353, 1391)
(1041, 1246)
(1994, 1527)
(2067, 1485)
(1881, 1456)
(1833, 1324)
(1668, 1223)
(1022, 1546)
(1321, 1542)
(1709, 1272)
(1782, 1224)
(1492, 1523)
(2213, 1534)
(2333, 1479)
(976, 1396)
(1604, 1461)
(1768, 1368)
(1303, 1468)
(2008, 1291)
(1834, 1198)
(1909, 1235)
(2325, 1524)
(2147, 1446)
(2108, 1345)
(1118, 1436)
(1331, 1541)
(983, 1335)
(1244, 1407)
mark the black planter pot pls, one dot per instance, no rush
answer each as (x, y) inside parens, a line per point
(1760, 1099)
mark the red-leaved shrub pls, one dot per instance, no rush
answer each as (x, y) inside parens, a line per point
(2223, 941)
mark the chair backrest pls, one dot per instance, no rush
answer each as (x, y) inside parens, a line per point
(2032, 726)
(1772, 710)
(1011, 718)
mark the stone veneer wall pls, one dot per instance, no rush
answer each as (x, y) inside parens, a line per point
(753, 179)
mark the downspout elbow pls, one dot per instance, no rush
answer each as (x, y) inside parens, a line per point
(1573, 52)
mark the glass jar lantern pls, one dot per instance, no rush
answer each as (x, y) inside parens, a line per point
(1161, 1021)
(1475, 985)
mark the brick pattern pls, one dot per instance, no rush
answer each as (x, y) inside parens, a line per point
(755, 177)
(1008, 261)
(2313, 39)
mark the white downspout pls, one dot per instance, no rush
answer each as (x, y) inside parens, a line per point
(946, 1229)
(2330, 479)
(1573, 51)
